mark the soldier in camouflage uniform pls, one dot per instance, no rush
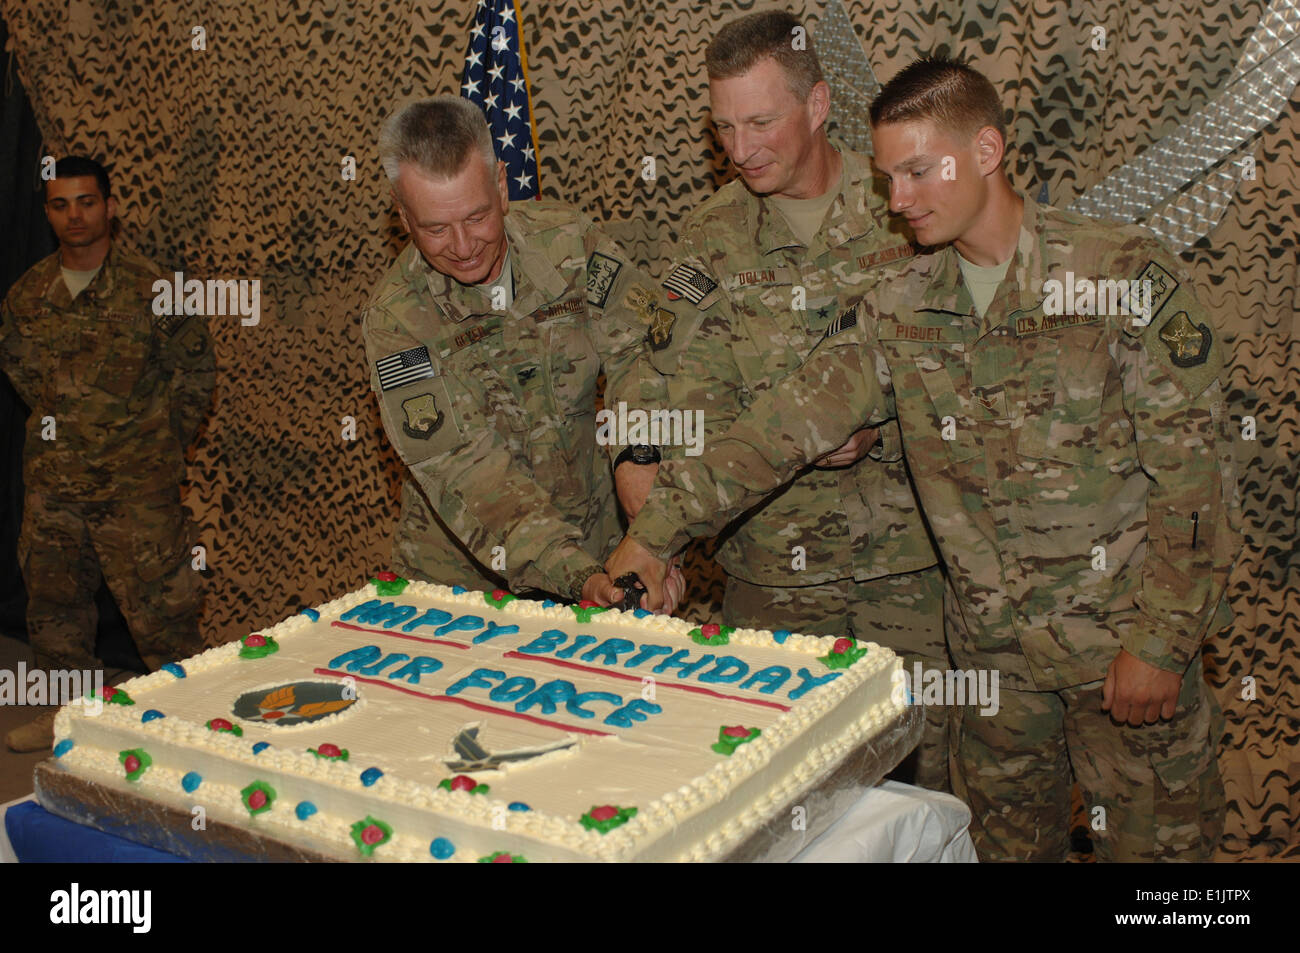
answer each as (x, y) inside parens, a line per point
(485, 340)
(117, 394)
(1076, 470)
(760, 270)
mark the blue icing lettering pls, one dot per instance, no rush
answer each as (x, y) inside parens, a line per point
(412, 670)
(476, 679)
(608, 651)
(493, 630)
(548, 696)
(465, 623)
(357, 659)
(810, 682)
(261, 746)
(175, 668)
(378, 613)
(399, 615)
(441, 848)
(546, 642)
(771, 678)
(383, 663)
(430, 617)
(370, 776)
(720, 673)
(191, 782)
(678, 660)
(635, 710)
(512, 689)
(780, 635)
(63, 747)
(356, 612)
(574, 707)
(579, 643)
(518, 806)
(304, 810)
(646, 654)
(311, 614)
(153, 714)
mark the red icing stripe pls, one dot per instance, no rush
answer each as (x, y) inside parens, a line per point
(637, 678)
(400, 635)
(462, 701)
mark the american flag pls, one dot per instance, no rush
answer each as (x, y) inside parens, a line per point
(404, 367)
(496, 80)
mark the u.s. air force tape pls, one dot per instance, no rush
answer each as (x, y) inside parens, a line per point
(404, 367)
(689, 283)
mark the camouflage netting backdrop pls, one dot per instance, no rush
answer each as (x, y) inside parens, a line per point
(227, 163)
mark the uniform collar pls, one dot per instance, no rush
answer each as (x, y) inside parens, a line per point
(55, 292)
(847, 219)
(536, 281)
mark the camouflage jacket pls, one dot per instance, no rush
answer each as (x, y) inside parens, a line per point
(494, 413)
(1076, 469)
(758, 302)
(127, 389)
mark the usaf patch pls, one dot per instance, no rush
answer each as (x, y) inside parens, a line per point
(1189, 344)
(849, 319)
(601, 272)
(404, 367)
(689, 283)
(1163, 286)
(423, 418)
(660, 334)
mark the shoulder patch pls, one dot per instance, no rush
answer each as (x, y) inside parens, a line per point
(404, 367)
(689, 283)
(1189, 344)
(601, 272)
(1163, 286)
(846, 320)
(660, 333)
(422, 417)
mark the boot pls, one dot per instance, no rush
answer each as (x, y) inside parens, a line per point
(36, 735)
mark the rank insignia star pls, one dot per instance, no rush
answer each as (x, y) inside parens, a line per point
(423, 418)
(1189, 344)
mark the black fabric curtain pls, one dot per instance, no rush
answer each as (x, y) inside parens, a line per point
(26, 238)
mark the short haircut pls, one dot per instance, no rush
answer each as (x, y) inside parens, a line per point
(742, 43)
(958, 98)
(437, 135)
(69, 167)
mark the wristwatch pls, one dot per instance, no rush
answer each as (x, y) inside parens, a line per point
(639, 453)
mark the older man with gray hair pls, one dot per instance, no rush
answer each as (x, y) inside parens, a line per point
(485, 340)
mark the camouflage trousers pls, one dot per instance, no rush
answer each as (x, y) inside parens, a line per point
(143, 548)
(1149, 793)
(903, 612)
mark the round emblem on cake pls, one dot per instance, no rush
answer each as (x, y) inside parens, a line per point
(294, 703)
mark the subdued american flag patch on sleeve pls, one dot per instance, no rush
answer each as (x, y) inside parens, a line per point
(849, 319)
(689, 283)
(404, 367)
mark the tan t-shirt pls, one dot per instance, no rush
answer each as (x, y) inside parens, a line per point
(806, 215)
(982, 282)
(78, 281)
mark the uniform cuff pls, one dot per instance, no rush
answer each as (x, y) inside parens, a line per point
(572, 572)
(889, 449)
(656, 531)
(1158, 644)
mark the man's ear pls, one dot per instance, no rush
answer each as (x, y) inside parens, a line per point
(111, 205)
(819, 104)
(990, 147)
(503, 186)
(401, 210)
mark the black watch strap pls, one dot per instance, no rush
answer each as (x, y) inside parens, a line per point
(639, 453)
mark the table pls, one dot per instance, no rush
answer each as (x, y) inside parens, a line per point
(890, 822)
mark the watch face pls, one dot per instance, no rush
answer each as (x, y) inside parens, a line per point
(643, 454)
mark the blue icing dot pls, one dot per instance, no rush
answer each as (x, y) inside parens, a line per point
(304, 810)
(641, 613)
(442, 848)
(519, 806)
(191, 781)
(780, 635)
(153, 714)
(370, 776)
(175, 668)
(261, 746)
(547, 604)
(63, 747)
(457, 590)
(314, 616)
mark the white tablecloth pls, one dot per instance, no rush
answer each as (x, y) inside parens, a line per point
(891, 822)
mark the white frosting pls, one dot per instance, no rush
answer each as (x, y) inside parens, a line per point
(692, 803)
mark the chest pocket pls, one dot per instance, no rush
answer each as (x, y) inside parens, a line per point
(574, 366)
(932, 391)
(1066, 377)
(121, 346)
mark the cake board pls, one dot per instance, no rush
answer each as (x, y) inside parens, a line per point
(128, 815)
